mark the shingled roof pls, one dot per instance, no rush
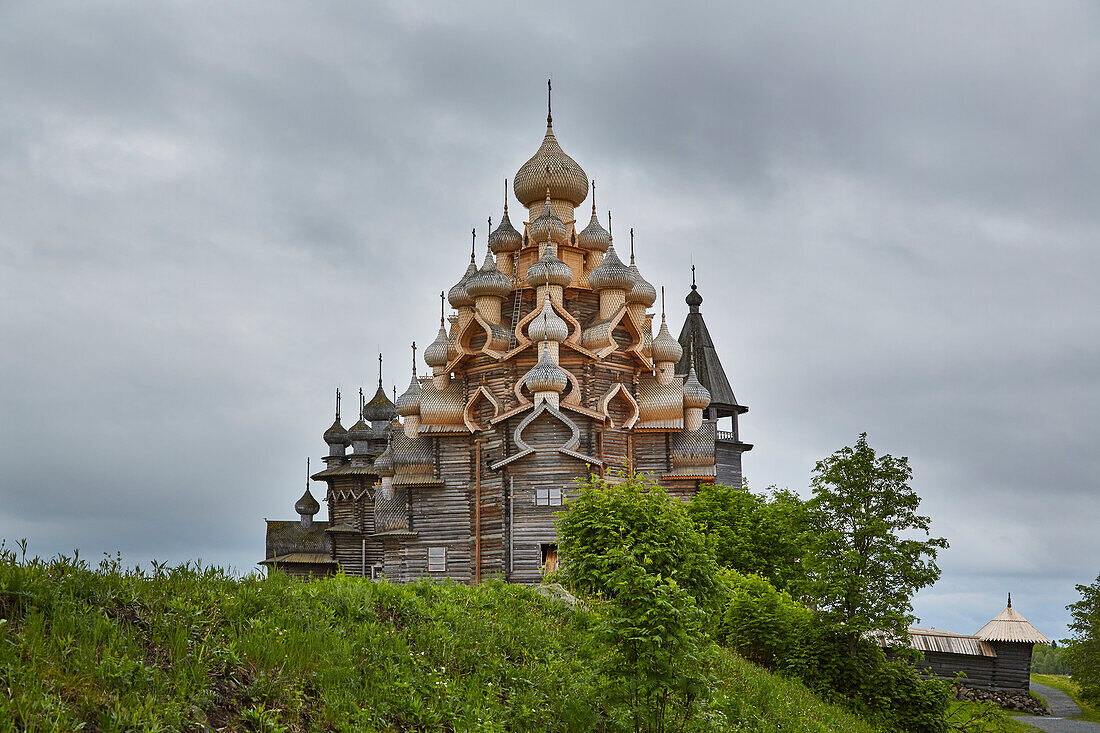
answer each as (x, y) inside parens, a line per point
(1008, 625)
(694, 337)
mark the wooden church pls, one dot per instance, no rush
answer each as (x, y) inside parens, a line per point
(546, 371)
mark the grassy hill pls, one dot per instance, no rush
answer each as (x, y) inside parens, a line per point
(194, 649)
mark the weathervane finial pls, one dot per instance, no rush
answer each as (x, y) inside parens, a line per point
(662, 304)
(549, 117)
(337, 404)
(632, 245)
(379, 370)
(414, 359)
(473, 242)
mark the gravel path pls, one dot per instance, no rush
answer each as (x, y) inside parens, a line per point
(1061, 706)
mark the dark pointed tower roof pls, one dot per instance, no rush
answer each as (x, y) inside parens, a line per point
(697, 344)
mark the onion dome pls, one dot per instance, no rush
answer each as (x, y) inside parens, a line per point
(693, 298)
(611, 274)
(665, 348)
(383, 464)
(549, 270)
(565, 178)
(505, 238)
(548, 325)
(337, 435)
(409, 403)
(695, 394)
(488, 280)
(548, 226)
(360, 431)
(307, 505)
(546, 376)
(594, 237)
(435, 355)
(379, 408)
(643, 292)
(458, 296)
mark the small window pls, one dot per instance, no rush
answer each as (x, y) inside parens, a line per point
(548, 497)
(437, 559)
(549, 558)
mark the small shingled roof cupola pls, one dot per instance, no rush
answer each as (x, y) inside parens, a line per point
(336, 437)
(489, 281)
(380, 409)
(643, 291)
(611, 274)
(360, 432)
(458, 296)
(549, 269)
(548, 226)
(307, 506)
(567, 180)
(435, 355)
(594, 238)
(505, 238)
(666, 350)
(546, 380)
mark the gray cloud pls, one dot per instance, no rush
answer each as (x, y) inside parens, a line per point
(214, 215)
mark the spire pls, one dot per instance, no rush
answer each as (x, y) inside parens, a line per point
(337, 404)
(695, 339)
(473, 244)
(307, 489)
(414, 358)
(1010, 600)
(379, 370)
(361, 403)
(442, 313)
(506, 197)
(662, 304)
(593, 197)
(632, 245)
(549, 117)
(610, 234)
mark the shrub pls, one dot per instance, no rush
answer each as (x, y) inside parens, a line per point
(608, 522)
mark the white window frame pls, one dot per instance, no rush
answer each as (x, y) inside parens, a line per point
(437, 559)
(548, 497)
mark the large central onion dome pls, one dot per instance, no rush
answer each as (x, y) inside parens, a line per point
(566, 179)
(548, 325)
(546, 376)
(611, 274)
(548, 269)
(488, 280)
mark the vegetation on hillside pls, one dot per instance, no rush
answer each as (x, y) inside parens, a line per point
(629, 543)
(191, 649)
(1048, 660)
(1082, 651)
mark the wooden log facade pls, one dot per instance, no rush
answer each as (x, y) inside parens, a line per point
(546, 372)
(997, 657)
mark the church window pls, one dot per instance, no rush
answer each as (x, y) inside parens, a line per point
(437, 559)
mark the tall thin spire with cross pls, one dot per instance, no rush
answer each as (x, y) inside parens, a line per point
(549, 117)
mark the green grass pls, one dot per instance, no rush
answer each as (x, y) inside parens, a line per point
(1067, 685)
(975, 717)
(182, 649)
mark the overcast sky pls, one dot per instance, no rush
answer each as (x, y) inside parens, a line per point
(211, 215)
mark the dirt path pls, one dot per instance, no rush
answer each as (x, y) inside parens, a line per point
(1061, 707)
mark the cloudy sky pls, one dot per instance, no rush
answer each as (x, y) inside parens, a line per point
(211, 215)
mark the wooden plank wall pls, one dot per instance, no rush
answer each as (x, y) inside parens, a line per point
(1013, 668)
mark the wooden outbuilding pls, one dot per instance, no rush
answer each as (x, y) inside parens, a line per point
(997, 657)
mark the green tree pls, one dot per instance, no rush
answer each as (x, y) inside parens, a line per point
(865, 562)
(608, 521)
(1082, 651)
(754, 534)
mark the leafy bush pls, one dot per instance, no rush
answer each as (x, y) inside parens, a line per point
(608, 522)
(1082, 652)
(755, 535)
(760, 622)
